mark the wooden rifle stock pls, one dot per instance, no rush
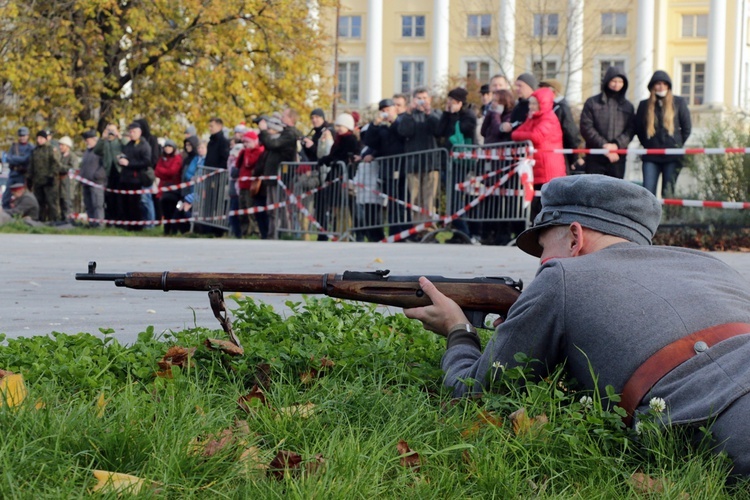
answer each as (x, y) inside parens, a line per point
(476, 296)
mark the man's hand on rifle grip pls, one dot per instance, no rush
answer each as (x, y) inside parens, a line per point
(439, 317)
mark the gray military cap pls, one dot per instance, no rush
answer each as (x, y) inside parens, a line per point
(605, 204)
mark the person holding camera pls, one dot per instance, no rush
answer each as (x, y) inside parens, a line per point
(43, 176)
(418, 127)
(108, 148)
(135, 158)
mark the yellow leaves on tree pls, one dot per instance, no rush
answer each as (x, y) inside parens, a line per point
(81, 63)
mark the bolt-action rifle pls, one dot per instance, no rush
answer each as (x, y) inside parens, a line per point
(478, 297)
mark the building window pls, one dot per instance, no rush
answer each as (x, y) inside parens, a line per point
(695, 26)
(480, 26)
(544, 70)
(478, 71)
(605, 64)
(692, 84)
(615, 23)
(412, 26)
(350, 26)
(348, 78)
(546, 24)
(412, 75)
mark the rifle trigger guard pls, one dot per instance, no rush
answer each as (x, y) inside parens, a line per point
(216, 298)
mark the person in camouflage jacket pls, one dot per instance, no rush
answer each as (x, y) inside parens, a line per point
(44, 177)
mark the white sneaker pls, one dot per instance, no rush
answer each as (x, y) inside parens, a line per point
(475, 241)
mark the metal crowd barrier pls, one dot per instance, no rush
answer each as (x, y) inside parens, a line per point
(475, 171)
(363, 201)
(318, 201)
(211, 202)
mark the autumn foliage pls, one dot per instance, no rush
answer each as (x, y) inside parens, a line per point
(80, 63)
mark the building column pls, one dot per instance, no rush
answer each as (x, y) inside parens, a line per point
(715, 62)
(440, 42)
(644, 49)
(373, 76)
(574, 89)
(507, 31)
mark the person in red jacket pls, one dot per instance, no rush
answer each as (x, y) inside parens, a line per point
(543, 129)
(169, 170)
(248, 189)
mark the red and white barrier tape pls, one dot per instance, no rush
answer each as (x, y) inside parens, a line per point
(729, 205)
(162, 189)
(500, 154)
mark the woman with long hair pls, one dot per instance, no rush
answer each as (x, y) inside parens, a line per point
(662, 121)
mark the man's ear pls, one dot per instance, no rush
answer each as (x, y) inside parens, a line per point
(576, 239)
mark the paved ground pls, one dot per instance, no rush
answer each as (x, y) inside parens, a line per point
(40, 294)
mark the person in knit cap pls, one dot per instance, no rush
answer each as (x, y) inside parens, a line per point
(311, 140)
(524, 86)
(661, 326)
(345, 148)
(458, 126)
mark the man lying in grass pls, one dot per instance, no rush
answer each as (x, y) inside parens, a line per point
(652, 322)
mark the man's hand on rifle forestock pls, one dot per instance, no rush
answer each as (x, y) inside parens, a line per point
(439, 317)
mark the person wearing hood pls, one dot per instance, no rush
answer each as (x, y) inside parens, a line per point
(247, 160)
(168, 170)
(148, 209)
(571, 135)
(662, 121)
(92, 169)
(543, 129)
(608, 122)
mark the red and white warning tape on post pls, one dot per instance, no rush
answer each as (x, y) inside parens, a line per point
(651, 151)
(298, 203)
(513, 153)
(405, 204)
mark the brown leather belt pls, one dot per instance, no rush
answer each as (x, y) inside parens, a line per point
(670, 357)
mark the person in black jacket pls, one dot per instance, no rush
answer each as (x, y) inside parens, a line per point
(525, 85)
(571, 136)
(457, 125)
(135, 157)
(149, 210)
(662, 121)
(608, 122)
(218, 145)
(385, 145)
(310, 142)
(418, 128)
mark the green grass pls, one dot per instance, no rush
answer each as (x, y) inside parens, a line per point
(384, 387)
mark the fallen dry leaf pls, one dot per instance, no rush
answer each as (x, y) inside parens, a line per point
(309, 377)
(12, 390)
(177, 356)
(224, 346)
(217, 443)
(326, 363)
(316, 465)
(254, 399)
(484, 418)
(284, 462)
(101, 404)
(114, 482)
(252, 461)
(4, 373)
(645, 484)
(233, 437)
(302, 411)
(522, 423)
(409, 458)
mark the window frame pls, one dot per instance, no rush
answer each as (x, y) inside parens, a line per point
(339, 98)
(349, 28)
(693, 25)
(479, 26)
(465, 61)
(413, 26)
(398, 81)
(679, 72)
(552, 58)
(545, 24)
(614, 14)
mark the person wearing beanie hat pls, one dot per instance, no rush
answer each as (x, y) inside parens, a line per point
(571, 135)
(458, 126)
(486, 96)
(69, 161)
(312, 139)
(344, 120)
(44, 177)
(543, 129)
(608, 122)
(190, 131)
(662, 121)
(620, 314)
(18, 157)
(524, 86)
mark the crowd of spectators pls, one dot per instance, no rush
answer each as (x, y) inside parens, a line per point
(39, 186)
